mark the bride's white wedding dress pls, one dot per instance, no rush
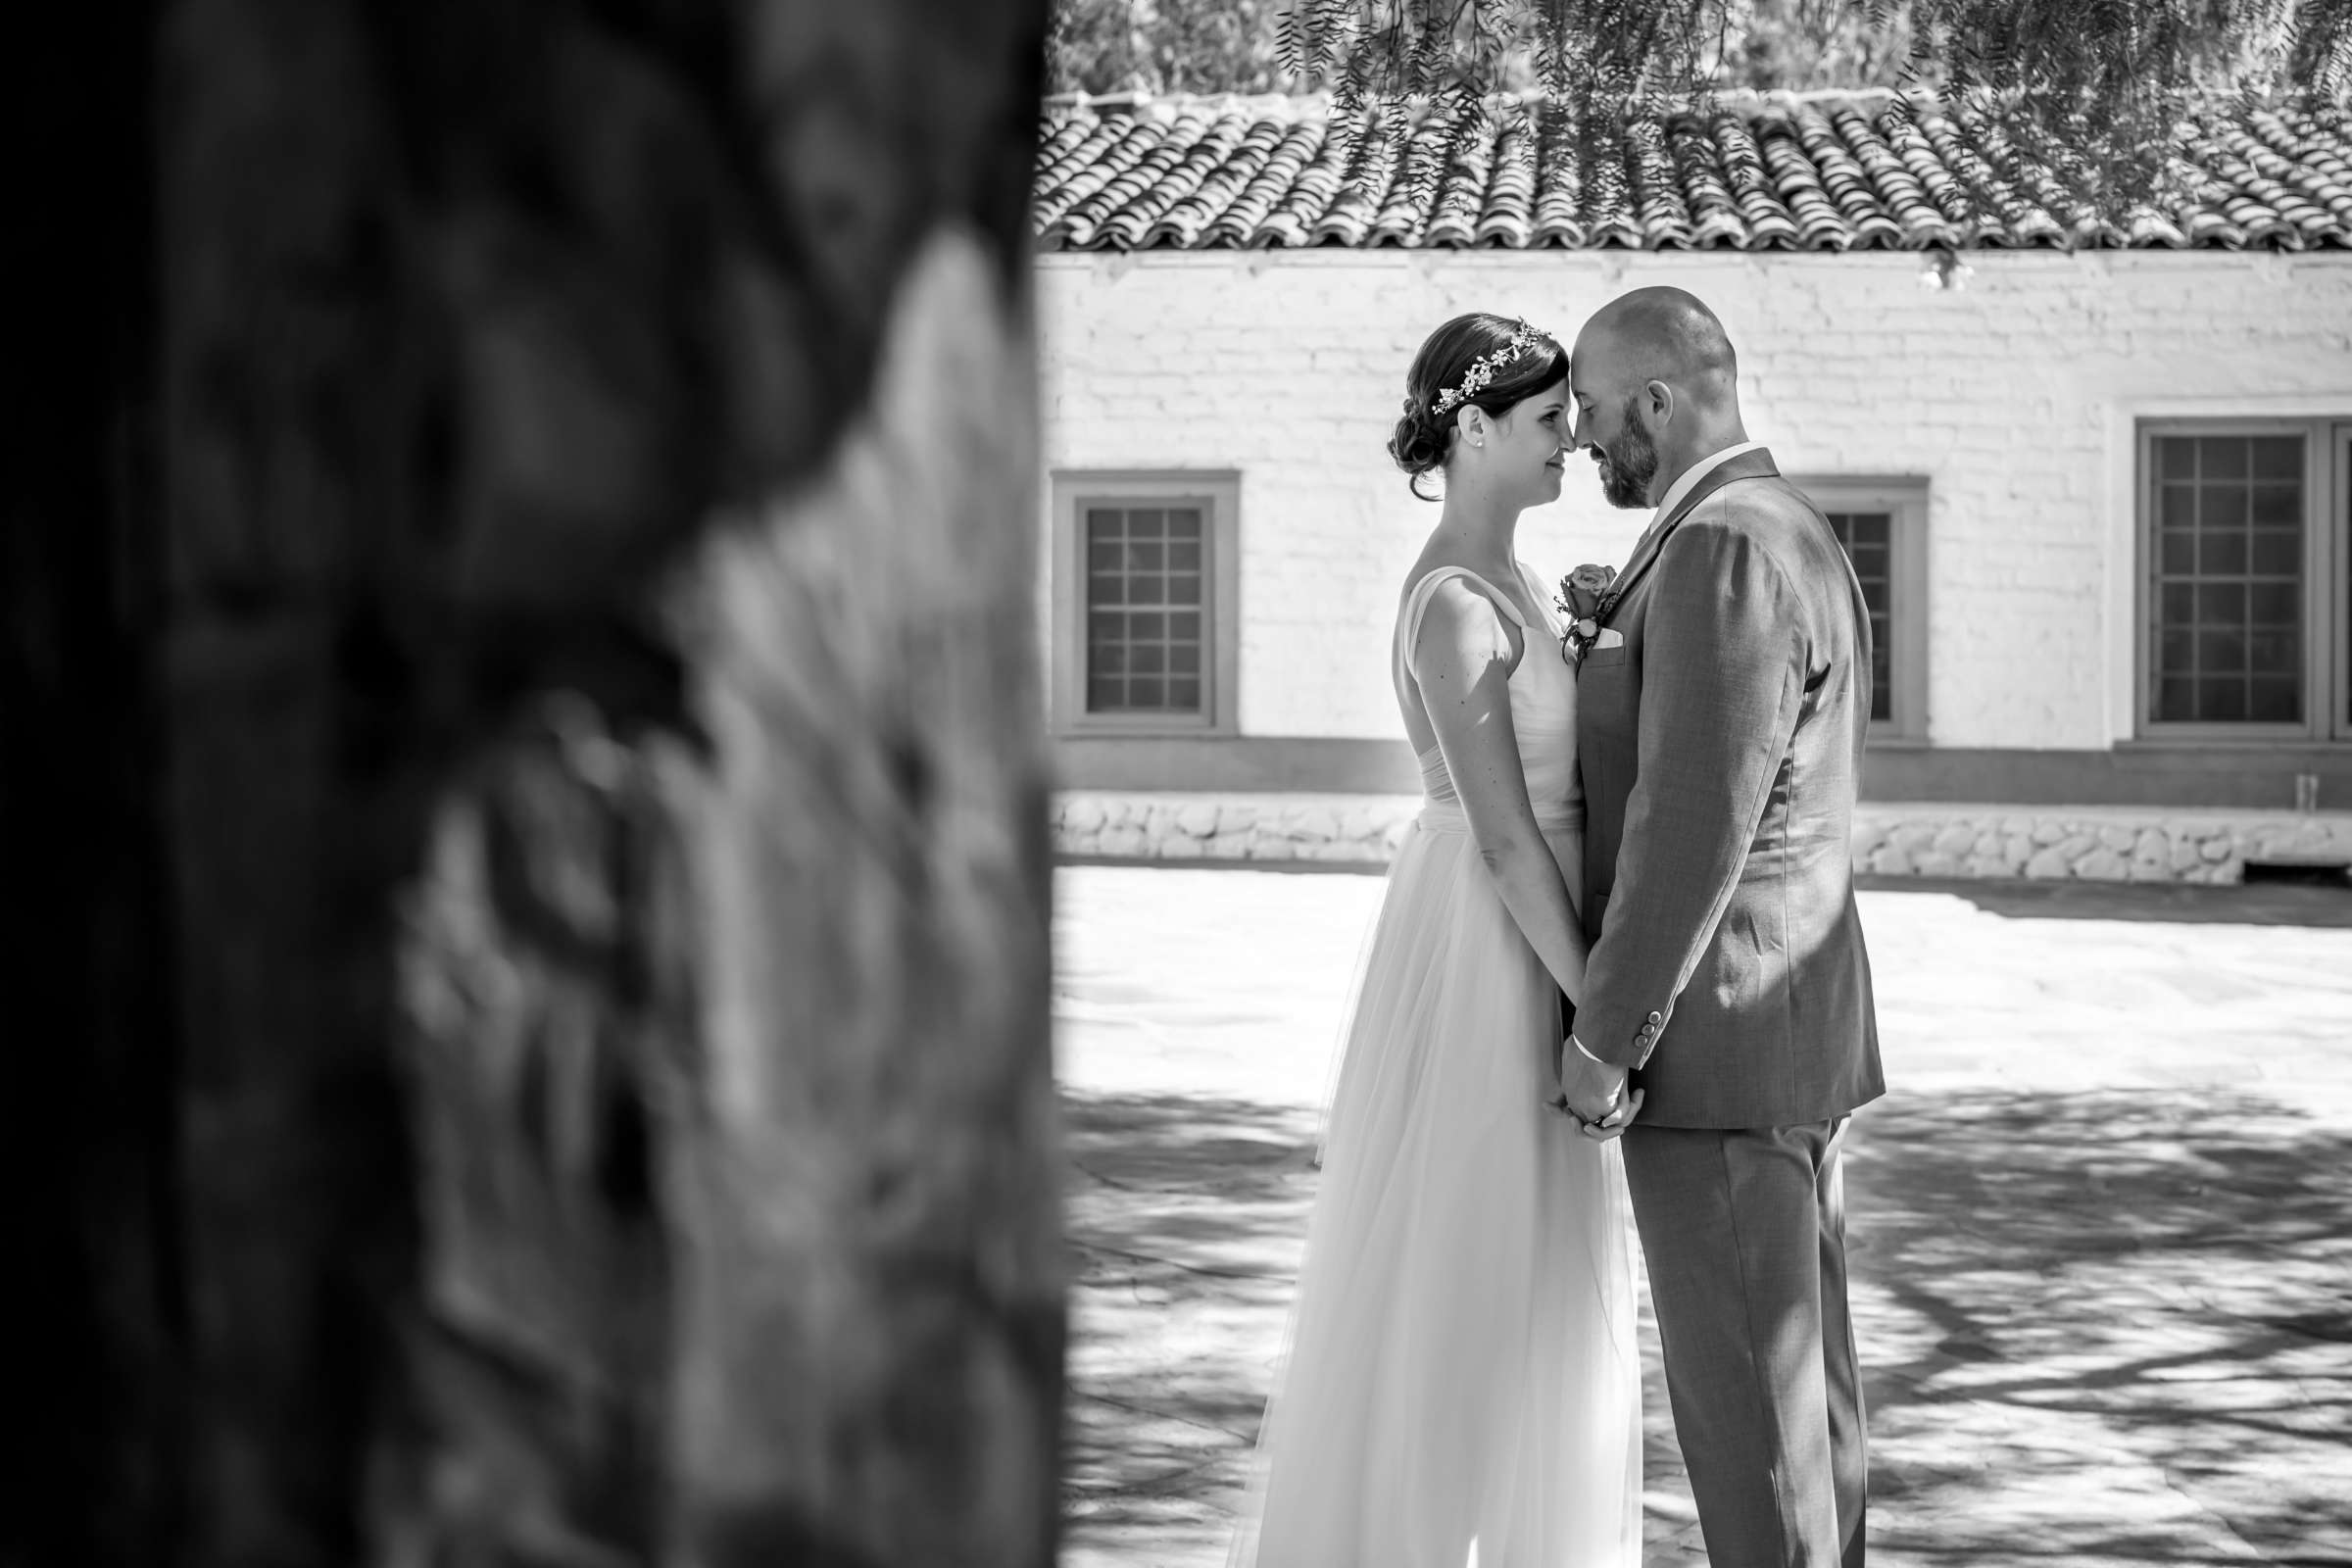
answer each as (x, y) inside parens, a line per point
(1461, 1384)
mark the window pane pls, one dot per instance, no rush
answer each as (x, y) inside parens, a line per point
(1140, 656)
(2278, 456)
(2222, 698)
(1869, 540)
(2275, 653)
(2224, 507)
(2226, 644)
(2176, 507)
(2218, 653)
(2275, 604)
(2222, 602)
(2278, 506)
(2278, 553)
(2278, 701)
(2221, 552)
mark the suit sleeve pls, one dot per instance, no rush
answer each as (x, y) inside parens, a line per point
(1721, 678)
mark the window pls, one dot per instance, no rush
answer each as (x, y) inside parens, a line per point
(2243, 593)
(1882, 524)
(1145, 613)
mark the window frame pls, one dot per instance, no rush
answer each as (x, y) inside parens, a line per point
(2334, 525)
(2328, 690)
(1904, 499)
(1217, 492)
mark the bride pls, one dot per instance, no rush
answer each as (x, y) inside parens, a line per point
(1461, 1384)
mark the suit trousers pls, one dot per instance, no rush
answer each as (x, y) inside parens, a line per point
(1744, 1234)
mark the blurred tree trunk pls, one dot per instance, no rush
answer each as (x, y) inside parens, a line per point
(550, 1061)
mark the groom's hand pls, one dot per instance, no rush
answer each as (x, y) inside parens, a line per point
(1594, 1092)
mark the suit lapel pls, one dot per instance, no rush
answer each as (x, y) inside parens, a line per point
(1757, 465)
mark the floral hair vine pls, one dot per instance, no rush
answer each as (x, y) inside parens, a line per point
(1481, 369)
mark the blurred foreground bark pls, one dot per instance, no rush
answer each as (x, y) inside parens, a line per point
(520, 653)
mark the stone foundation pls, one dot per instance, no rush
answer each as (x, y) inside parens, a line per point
(2099, 844)
(1342, 829)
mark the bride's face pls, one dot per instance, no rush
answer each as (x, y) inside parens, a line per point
(1526, 446)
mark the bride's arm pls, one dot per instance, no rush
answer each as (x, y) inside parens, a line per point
(1462, 661)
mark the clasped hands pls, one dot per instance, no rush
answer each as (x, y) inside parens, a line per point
(1594, 1093)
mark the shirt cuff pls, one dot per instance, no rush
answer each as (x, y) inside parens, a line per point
(1587, 1055)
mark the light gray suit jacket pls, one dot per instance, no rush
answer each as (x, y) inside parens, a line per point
(1721, 745)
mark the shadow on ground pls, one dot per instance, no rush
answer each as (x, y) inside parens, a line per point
(2099, 1328)
(1187, 1218)
(2105, 1327)
(2300, 904)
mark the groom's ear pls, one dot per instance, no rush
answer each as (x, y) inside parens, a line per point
(1658, 398)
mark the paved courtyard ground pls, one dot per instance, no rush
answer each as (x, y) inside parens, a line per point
(2101, 1223)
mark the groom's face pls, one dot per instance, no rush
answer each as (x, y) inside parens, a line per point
(1611, 430)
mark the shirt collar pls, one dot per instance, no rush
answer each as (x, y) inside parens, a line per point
(1698, 470)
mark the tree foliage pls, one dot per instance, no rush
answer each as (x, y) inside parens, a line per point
(2093, 90)
(1107, 46)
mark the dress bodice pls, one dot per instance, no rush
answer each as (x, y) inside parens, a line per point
(1543, 690)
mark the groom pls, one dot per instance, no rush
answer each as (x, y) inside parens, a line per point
(1722, 708)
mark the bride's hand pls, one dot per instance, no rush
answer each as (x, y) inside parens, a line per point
(1590, 1093)
(1621, 1116)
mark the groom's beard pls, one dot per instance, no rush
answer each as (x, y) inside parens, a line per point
(1627, 469)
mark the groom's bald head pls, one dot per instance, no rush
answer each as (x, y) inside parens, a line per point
(1656, 388)
(1657, 335)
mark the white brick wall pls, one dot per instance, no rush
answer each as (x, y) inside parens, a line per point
(2015, 397)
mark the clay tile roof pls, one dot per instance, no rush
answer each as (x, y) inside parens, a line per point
(1818, 173)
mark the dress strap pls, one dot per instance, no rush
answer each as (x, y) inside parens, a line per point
(1417, 606)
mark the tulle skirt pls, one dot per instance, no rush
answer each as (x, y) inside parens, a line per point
(1460, 1382)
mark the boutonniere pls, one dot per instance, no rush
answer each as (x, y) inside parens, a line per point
(1586, 600)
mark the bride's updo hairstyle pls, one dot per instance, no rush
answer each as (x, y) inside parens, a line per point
(1425, 434)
